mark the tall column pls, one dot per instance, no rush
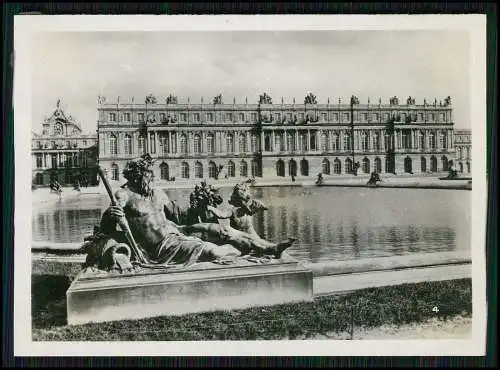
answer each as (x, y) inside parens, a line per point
(249, 141)
(285, 140)
(177, 142)
(308, 144)
(157, 142)
(273, 141)
(297, 140)
(262, 136)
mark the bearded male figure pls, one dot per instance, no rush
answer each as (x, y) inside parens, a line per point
(159, 238)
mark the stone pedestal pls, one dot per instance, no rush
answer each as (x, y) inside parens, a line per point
(203, 287)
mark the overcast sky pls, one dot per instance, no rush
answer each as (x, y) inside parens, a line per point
(77, 67)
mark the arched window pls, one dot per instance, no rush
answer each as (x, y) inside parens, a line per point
(434, 164)
(387, 143)
(304, 167)
(140, 144)
(336, 142)
(324, 142)
(212, 170)
(337, 166)
(421, 140)
(255, 168)
(280, 168)
(366, 165)
(290, 141)
(347, 143)
(407, 139)
(348, 165)
(210, 143)
(376, 141)
(231, 169)
(229, 143)
(312, 141)
(164, 173)
(423, 164)
(364, 142)
(325, 166)
(444, 163)
(68, 178)
(243, 169)
(127, 144)
(197, 144)
(39, 179)
(115, 172)
(378, 165)
(432, 140)
(267, 142)
(165, 144)
(185, 170)
(198, 170)
(242, 144)
(255, 143)
(113, 147)
(443, 142)
(183, 144)
(461, 167)
(292, 168)
(408, 165)
(278, 142)
(303, 141)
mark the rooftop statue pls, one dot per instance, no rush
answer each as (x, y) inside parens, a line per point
(265, 99)
(154, 231)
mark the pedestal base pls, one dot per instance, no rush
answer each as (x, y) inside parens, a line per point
(109, 297)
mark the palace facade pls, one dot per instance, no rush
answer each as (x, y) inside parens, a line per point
(269, 140)
(62, 152)
(463, 151)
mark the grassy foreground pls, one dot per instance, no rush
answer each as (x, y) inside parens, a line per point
(366, 308)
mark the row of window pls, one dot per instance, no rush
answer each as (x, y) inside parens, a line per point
(69, 178)
(168, 147)
(304, 143)
(59, 160)
(59, 145)
(213, 170)
(279, 117)
(366, 165)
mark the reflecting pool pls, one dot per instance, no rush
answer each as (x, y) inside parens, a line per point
(330, 223)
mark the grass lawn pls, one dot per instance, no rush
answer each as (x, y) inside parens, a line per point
(368, 308)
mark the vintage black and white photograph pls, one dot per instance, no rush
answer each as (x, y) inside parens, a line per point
(250, 185)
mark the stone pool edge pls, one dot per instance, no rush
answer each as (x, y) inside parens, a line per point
(336, 277)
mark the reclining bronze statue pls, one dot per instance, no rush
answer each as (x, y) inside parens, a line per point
(157, 232)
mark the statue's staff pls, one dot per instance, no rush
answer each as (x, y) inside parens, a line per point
(123, 221)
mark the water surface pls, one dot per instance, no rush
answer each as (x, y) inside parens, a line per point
(330, 223)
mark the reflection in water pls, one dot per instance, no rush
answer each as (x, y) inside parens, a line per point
(329, 223)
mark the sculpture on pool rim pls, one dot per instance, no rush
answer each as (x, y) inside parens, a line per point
(162, 230)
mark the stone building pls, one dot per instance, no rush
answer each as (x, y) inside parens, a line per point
(63, 152)
(463, 147)
(276, 139)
